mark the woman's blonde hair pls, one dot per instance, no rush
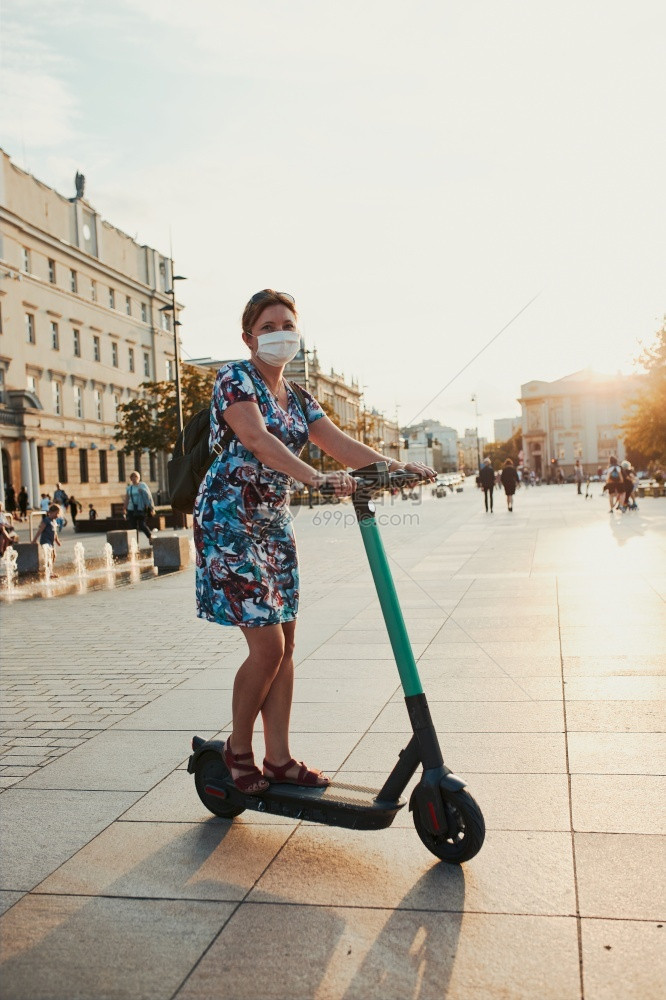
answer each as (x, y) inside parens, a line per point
(260, 301)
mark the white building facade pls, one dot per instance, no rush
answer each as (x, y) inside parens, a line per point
(80, 330)
(578, 416)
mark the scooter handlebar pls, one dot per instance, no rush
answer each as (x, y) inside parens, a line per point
(374, 479)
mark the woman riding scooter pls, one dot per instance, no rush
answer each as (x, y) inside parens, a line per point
(247, 568)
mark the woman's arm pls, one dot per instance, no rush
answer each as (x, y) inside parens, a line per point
(247, 423)
(345, 449)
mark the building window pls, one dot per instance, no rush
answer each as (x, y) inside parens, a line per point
(40, 464)
(144, 312)
(103, 468)
(166, 322)
(62, 465)
(55, 338)
(52, 271)
(56, 388)
(128, 305)
(83, 465)
(26, 260)
(98, 404)
(114, 354)
(30, 328)
(152, 466)
(32, 383)
(93, 290)
(73, 282)
(116, 404)
(121, 467)
(146, 365)
(131, 359)
(78, 402)
(112, 298)
(2, 385)
(170, 374)
(137, 461)
(76, 334)
(96, 349)
(558, 417)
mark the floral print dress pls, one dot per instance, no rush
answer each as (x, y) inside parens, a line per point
(247, 567)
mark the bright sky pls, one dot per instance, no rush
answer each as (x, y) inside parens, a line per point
(413, 173)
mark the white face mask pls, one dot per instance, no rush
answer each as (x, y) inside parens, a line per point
(278, 347)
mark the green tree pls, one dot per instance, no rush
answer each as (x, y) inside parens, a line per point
(150, 421)
(644, 426)
(499, 451)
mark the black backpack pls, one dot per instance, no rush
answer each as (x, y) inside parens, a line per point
(192, 457)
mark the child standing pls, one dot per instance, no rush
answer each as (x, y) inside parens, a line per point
(47, 532)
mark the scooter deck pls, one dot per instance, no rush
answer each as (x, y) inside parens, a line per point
(350, 806)
(338, 804)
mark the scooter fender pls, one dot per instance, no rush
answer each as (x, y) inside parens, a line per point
(201, 748)
(427, 798)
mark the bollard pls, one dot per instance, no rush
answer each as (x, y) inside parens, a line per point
(30, 558)
(171, 551)
(120, 542)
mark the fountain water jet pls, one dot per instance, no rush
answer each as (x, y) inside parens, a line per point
(107, 556)
(10, 559)
(80, 560)
(49, 559)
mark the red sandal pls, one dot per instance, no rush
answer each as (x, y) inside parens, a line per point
(252, 781)
(307, 776)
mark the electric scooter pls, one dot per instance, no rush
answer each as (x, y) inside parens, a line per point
(446, 817)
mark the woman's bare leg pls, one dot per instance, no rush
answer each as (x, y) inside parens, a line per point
(253, 681)
(276, 708)
(276, 711)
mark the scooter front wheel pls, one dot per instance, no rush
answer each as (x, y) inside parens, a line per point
(465, 831)
(211, 772)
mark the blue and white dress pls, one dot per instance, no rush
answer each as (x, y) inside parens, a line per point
(247, 566)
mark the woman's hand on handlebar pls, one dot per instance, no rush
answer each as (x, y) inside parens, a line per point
(340, 483)
(421, 470)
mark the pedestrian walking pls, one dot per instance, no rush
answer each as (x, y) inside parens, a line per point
(10, 500)
(509, 478)
(92, 513)
(44, 503)
(247, 566)
(47, 532)
(578, 477)
(629, 481)
(74, 508)
(23, 503)
(487, 483)
(614, 484)
(138, 504)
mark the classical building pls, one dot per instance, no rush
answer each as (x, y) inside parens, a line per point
(575, 417)
(80, 329)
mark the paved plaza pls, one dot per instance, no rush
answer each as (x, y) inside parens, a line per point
(541, 640)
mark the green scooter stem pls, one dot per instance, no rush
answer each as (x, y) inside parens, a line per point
(388, 599)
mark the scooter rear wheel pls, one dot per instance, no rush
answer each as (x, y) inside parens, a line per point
(211, 768)
(466, 830)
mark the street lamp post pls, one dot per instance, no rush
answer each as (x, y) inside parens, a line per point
(173, 309)
(476, 429)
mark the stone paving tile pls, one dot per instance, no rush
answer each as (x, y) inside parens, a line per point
(478, 717)
(621, 876)
(516, 872)
(141, 948)
(171, 861)
(617, 753)
(380, 954)
(616, 716)
(38, 834)
(623, 958)
(619, 803)
(8, 899)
